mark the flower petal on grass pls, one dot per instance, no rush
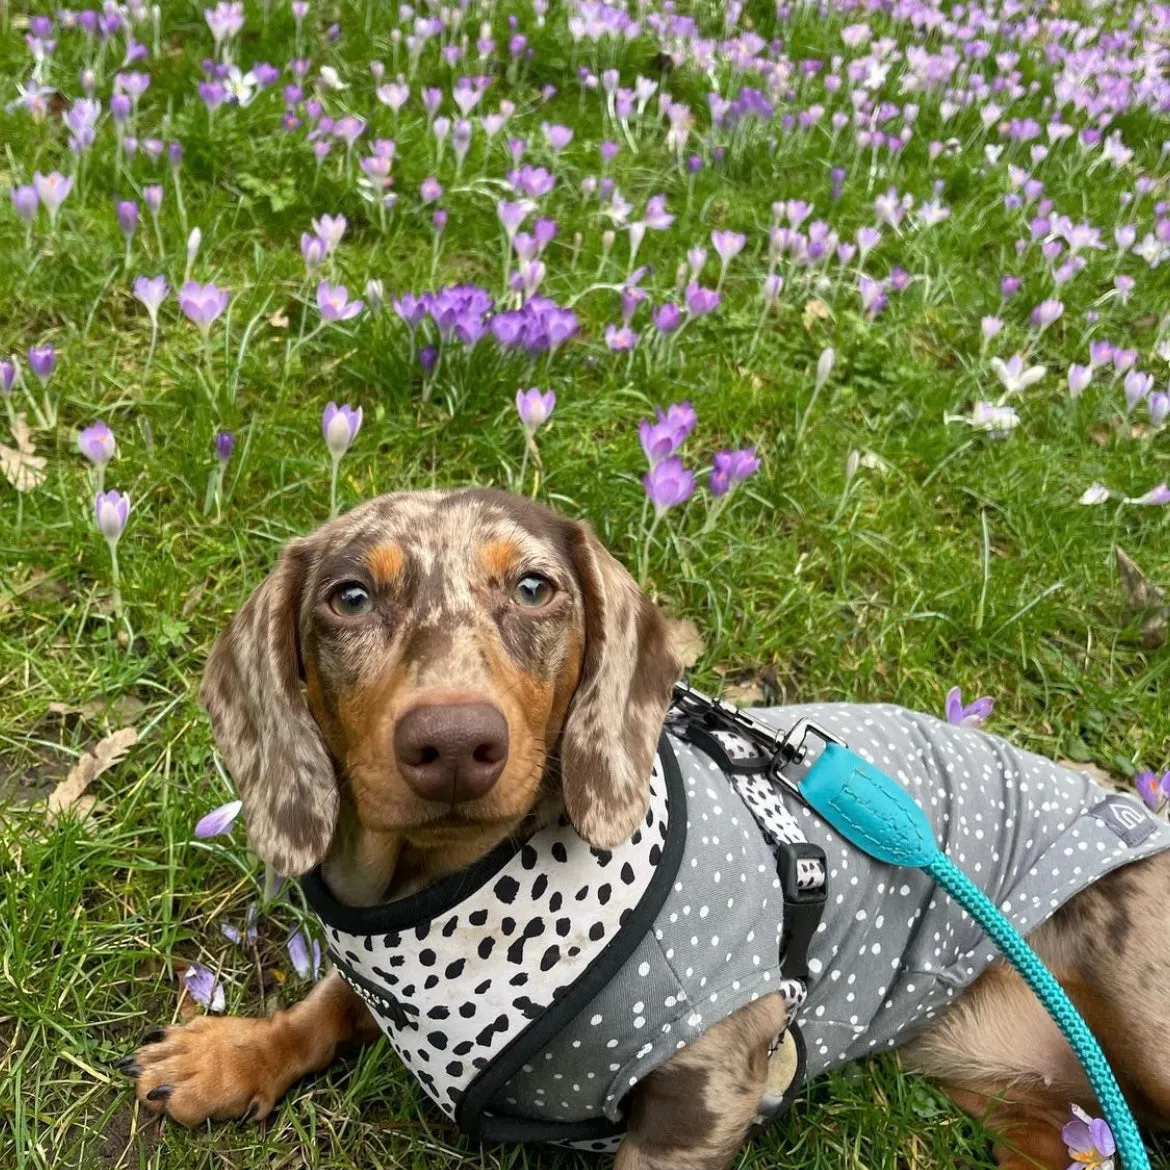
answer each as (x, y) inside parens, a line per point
(219, 820)
(203, 987)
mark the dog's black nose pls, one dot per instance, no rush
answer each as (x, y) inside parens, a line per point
(451, 752)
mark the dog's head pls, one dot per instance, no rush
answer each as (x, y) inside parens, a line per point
(438, 654)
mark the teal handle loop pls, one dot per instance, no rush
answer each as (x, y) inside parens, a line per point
(872, 811)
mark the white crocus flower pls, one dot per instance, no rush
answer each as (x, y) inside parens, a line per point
(1014, 375)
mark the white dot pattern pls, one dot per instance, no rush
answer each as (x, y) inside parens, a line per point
(893, 950)
(890, 953)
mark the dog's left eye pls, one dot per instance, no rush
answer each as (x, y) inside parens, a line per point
(532, 591)
(351, 600)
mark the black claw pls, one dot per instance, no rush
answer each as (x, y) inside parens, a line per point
(129, 1066)
(153, 1036)
(248, 1114)
(161, 1093)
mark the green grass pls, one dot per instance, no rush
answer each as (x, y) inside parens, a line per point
(961, 559)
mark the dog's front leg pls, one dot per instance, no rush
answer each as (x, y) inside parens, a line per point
(229, 1066)
(693, 1112)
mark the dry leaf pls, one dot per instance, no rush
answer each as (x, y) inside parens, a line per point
(814, 311)
(748, 694)
(192, 600)
(1143, 598)
(278, 320)
(125, 708)
(685, 640)
(22, 467)
(106, 753)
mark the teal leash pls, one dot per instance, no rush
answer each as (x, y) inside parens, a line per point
(873, 812)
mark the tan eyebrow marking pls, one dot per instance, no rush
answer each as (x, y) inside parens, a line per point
(499, 557)
(386, 562)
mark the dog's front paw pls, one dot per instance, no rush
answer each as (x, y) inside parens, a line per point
(209, 1069)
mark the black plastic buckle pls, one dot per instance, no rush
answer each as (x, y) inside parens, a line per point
(802, 908)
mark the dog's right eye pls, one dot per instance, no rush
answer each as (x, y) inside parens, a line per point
(351, 600)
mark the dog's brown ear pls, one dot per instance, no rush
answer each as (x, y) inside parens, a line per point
(263, 726)
(613, 722)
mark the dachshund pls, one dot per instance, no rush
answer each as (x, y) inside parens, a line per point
(437, 672)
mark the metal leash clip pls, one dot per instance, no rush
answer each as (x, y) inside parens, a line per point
(785, 749)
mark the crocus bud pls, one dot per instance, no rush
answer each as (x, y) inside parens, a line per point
(825, 366)
(225, 443)
(96, 443)
(1079, 378)
(111, 510)
(193, 242)
(534, 407)
(339, 426)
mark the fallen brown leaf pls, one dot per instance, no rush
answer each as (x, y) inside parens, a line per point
(748, 694)
(685, 640)
(1143, 599)
(69, 795)
(815, 310)
(125, 708)
(22, 466)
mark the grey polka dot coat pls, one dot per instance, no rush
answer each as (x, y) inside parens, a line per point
(530, 994)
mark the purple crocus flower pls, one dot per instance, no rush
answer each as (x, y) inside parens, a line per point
(241, 937)
(96, 443)
(52, 190)
(219, 820)
(203, 303)
(557, 137)
(1009, 286)
(225, 443)
(334, 302)
(534, 408)
(126, 213)
(25, 202)
(306, 962)
(668, 483)
(620, 339)
(1136, 386)
(111, 511)
(1047, 312)
(213, 94)
(410, 308)
(1079, 378)
(330, 228)
(727, 244)
(700, 300)
(8, 372)
(1153, 789)
(532, 181)
(1090, 1141)
(668, 432)
(313, 251)
(430, 189)
(667, 318)
(203, 987)
(42, 360)
(732, 467)
(974, 715)
(1159, 407)
(512, 215)
(152, 196)
(151, 291)
(225, 20)
(339, 426)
